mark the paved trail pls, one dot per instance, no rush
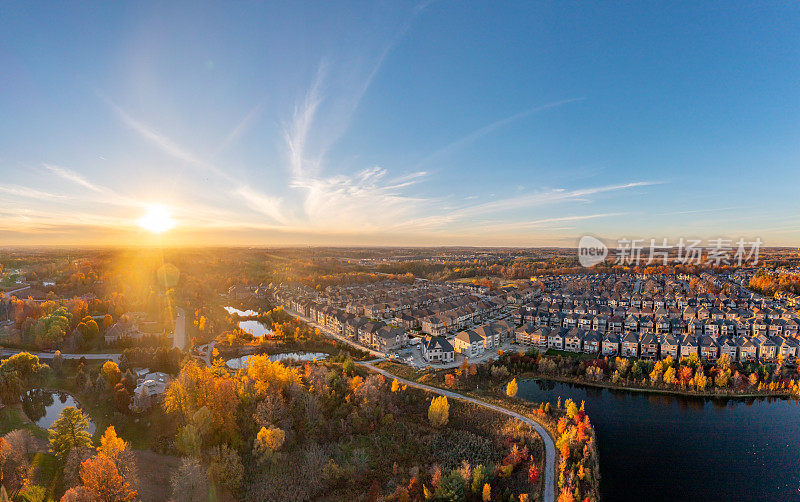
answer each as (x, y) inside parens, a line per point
(179, 336)
(49, 355)
(549, 445)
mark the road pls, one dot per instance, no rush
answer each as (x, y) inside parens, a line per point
(179, 336)
(549, 445)
(49, 355)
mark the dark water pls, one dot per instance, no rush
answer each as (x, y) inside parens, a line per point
(658, 447)
(44, 406)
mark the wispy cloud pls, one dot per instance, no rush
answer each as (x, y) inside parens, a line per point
(490, 128)
(542, 222)
(296, 135)
(72, 176)
(31, 193)
(268, 206)
(242, 127)
(545, 197)
(163, 142)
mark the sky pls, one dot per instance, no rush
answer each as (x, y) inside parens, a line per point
(398, 123)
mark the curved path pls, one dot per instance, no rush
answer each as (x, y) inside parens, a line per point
(549, 445)
(66, 355)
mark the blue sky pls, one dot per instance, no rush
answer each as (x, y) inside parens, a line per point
(494, 123)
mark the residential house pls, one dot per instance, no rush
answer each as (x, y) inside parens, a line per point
(437, 349)
(648, 346)
(573, 340)
(469, 343)
(610, 344)
(709, 350)
(630, 344)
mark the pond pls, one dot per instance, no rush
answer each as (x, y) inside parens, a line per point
(238, 362)
(662, 447)
(241, 313)
(44, 406)
(253, 327)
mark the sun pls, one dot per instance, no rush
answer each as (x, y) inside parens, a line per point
(157, 219)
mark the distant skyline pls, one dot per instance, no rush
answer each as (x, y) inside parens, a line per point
(418, 123)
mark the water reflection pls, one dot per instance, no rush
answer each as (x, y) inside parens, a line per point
(241, 313)
(664, 447)
(44, 406)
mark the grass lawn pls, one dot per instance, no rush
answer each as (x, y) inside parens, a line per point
(13, 418)
(401, 370)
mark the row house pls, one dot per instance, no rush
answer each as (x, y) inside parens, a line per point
(367, 332)
(610, 344)
(709, 350)
(745, 349)
(591, 342)
(648, 346)
(572, 340)
(469, 343)
(630, 345)
(668, 346)
(528, 334)
(389, 338)
(555, 339)
(351, 326)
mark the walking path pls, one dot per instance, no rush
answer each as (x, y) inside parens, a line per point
(179, 336)
(65, 355)
(549, 445)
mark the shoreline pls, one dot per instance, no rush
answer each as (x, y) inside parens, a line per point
(645, 390)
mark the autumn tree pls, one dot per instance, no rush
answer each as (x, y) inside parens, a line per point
(267, 442)
(479, 477)
(69, 431)
(225, 468)
(511, 388)
(13, 466)
(119, 451)
(669, 376)
(101, 476)
(19, 373)
(189, 482)
(439, 411)
(197, 387)
(111, 373)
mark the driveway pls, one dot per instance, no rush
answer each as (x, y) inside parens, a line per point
(549, 445)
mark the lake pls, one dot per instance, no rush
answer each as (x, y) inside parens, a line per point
(237, 362)
(255, 328)
(44, 406)
(661, 447)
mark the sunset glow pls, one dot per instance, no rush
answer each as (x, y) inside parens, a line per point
(158, 219)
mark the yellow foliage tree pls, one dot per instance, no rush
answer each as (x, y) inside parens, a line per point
(111, 445)
(511, 388)
(487, 493)
(111, 373)
(439, 411)
(669, 376)
(395, 385)
(268, 441)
